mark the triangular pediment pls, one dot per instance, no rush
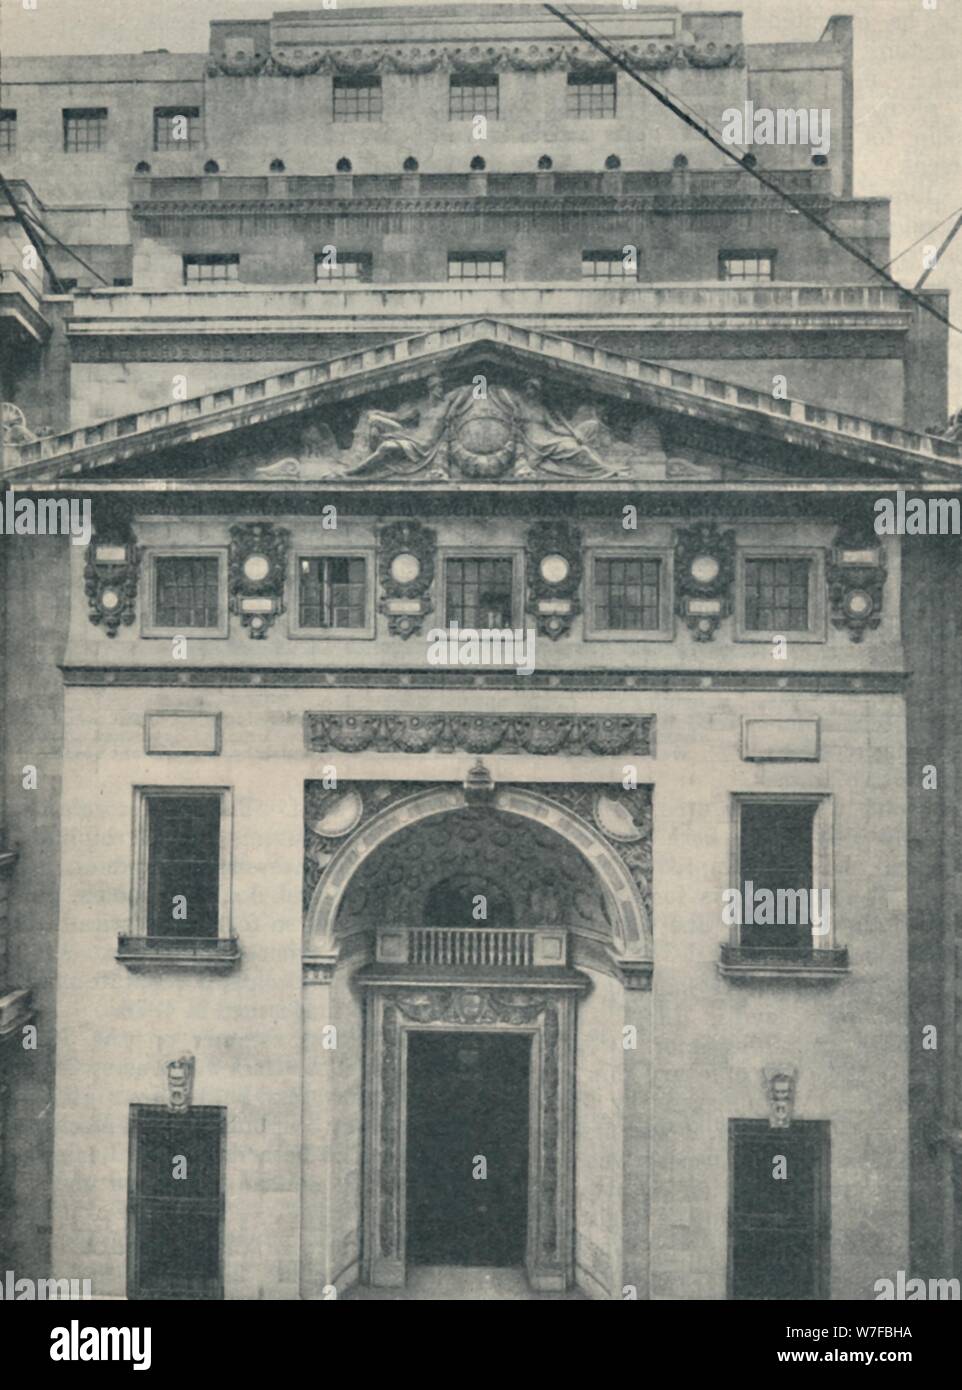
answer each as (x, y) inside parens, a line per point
(484, 403)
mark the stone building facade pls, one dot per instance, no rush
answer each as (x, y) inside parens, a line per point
(365, 366)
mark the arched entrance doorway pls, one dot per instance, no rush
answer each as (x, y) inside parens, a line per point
(469, 1055)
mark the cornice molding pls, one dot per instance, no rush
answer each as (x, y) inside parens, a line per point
(350, 678)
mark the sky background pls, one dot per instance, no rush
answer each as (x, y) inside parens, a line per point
(908, 89)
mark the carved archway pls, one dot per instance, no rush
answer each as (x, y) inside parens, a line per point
(631, 944)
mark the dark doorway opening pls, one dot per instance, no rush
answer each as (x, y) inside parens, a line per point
(467, 1115)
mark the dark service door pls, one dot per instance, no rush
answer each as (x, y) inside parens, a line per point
(467, 1115)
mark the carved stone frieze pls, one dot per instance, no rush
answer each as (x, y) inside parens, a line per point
(492, 432)
(406, 566)
(471, 1007)
(180, 1084)
(547, 734)
(856, 580)
(554, 571)
(258, 561)
(780, 1085)
(243, 58)
(704, 577)
(110, 576)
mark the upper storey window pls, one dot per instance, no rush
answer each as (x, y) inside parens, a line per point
(176, 127)
(332, 264)
(186, 594)
(591, 95)
(84, 129)
(751, 267)
(609, 265)
(480, 591)
(202, 270)
(777, 595)
(476, 265)
(471, 95)
(357, 99)
(8, 132)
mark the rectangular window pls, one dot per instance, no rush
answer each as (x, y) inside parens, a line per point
(8, 132)
(332, 592)
(183, 864)
(175, 1205)
(776, 595)
(591, 95)
(779, 1230)
(609, 265)
(473, 95)
(176, 127)
(476, 265)
(751, 267)
(776, 852)
(479, 592)
(84, 129)
(203, 270)
(186, 592)
(342, 265)
(626, 594)
(357, 99)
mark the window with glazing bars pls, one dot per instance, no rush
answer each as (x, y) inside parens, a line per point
(183, 865)
(357, 99)
(346, 265)
(627, 594)
(473, 95)
(201, 270)
(175, 1202)
(333, 592)
(750, 266)
(591, 94)
(8, 132)
(176, 127)
(608, 265)
(84, 128)
(776, 595)
(186, 591)
(476, 265)
(479, 592)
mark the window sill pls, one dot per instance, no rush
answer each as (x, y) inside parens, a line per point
(159, 953)
(783, 963)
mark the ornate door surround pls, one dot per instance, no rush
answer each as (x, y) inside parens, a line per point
(545, 1011)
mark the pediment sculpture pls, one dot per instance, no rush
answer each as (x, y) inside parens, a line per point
(480, 433)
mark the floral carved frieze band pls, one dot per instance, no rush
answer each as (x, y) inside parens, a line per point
(243, 57)
(574, 736)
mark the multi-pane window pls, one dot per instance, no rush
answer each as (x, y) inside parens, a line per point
(473, 95)
(84, 129)
(8, 131)
(208, 269)
(753, 267)
(183, 864)
(176, 127)
(333, 592)
(591, 94)
(609, 265)
(777, 595)
(476, 265)
(479, 592)
(342, 265)
(626, 594)
(776, 845)
(187, 591)
(779, 1215)
(175, 1202)
(357, 99)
